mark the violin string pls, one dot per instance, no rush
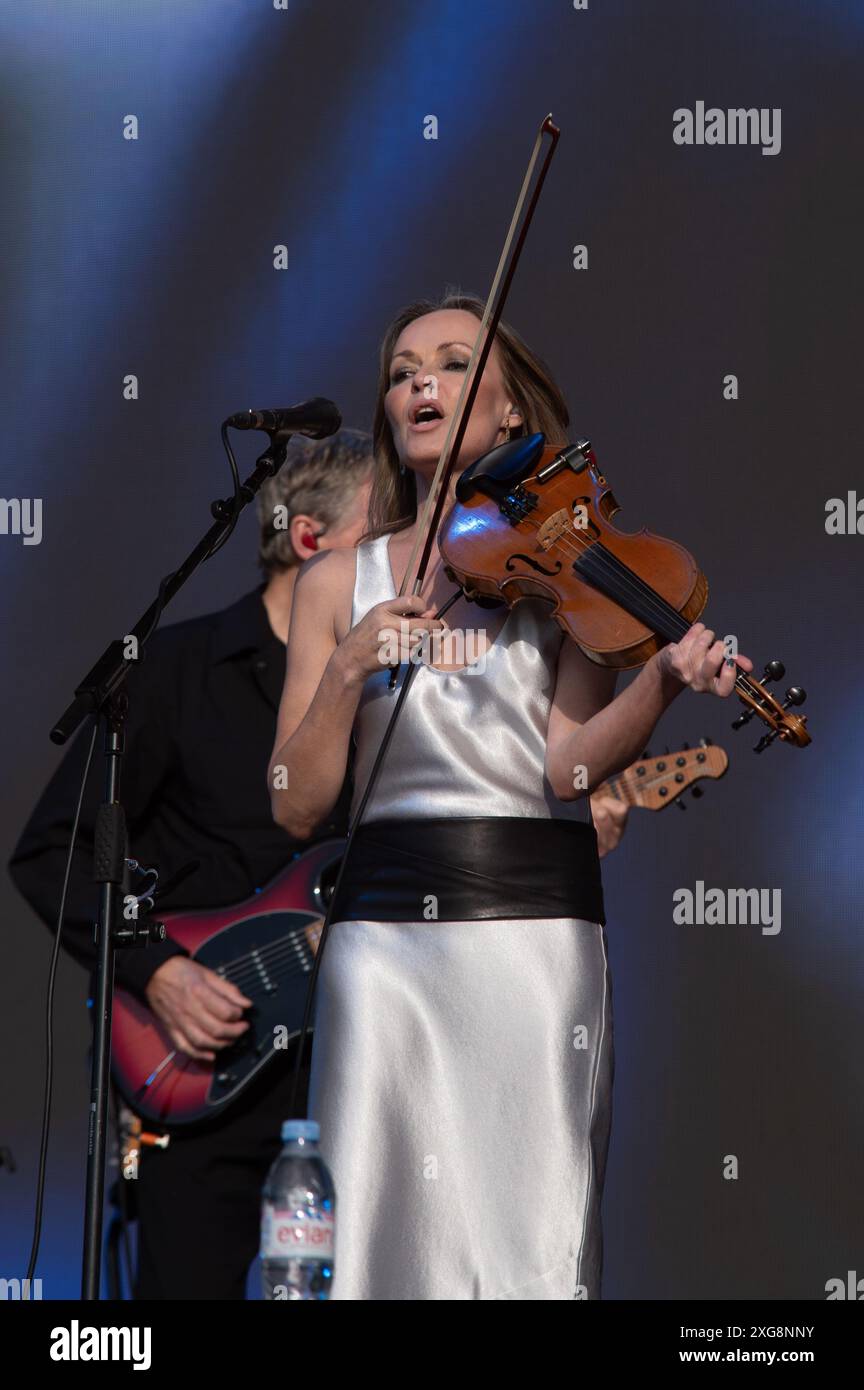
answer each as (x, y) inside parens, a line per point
(638, 585)
(663, 610)
(653, 603)
(639, 588)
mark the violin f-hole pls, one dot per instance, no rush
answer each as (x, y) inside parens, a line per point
(535, 565)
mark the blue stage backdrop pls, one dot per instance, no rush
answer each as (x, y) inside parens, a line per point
(208, 207)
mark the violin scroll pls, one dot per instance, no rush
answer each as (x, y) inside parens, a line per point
(789, 728)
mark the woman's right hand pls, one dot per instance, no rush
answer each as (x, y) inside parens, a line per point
(386, 636)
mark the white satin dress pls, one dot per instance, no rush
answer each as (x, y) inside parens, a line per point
(462, 1071)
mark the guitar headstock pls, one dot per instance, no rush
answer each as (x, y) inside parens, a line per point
(657, 782)
(789, 728)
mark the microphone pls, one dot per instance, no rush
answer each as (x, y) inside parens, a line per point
(316, 418)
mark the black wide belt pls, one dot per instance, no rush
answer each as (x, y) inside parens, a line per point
(473, 868)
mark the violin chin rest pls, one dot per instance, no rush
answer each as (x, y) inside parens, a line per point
(501, 468)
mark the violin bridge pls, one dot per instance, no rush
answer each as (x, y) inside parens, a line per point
(553, 527)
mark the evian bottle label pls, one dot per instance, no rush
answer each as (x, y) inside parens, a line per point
(287, 1235)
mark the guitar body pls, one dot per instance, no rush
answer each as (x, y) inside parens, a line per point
(265, 946)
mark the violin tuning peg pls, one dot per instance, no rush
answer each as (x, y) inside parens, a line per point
(794, 696)
(646, 753)
(697, 792)
(704, 742)
(774, 671)
(765, 741)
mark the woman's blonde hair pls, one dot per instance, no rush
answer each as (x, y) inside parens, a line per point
(532, 389)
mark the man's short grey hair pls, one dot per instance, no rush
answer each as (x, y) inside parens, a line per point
(319, 478)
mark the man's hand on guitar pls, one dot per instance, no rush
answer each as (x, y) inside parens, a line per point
(610, 819)
(200, 1011)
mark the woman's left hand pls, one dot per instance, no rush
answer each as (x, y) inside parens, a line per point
(699, 661)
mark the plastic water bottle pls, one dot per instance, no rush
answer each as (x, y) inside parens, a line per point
(297, 1218)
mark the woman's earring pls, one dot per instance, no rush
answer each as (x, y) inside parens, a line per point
(507, 435)
(402, 469)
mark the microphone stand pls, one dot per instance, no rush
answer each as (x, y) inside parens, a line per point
(102, 694)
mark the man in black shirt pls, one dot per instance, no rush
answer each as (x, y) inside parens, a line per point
(200, 732)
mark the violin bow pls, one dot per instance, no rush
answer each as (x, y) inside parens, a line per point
(520, 222)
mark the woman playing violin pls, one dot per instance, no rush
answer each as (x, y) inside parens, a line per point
(463, 1059)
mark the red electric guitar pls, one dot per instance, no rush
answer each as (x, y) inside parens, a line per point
(266, 947)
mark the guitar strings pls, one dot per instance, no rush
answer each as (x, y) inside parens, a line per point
(243, 967)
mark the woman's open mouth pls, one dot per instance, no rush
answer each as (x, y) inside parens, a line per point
(426, 417)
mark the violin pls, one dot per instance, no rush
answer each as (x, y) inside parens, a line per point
(533, 520)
